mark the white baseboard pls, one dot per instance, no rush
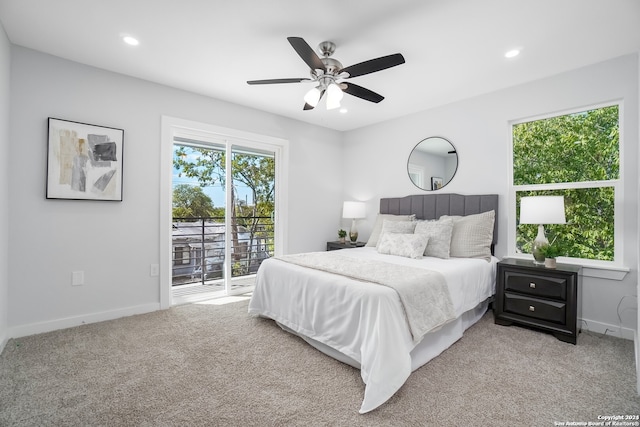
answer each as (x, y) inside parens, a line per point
(607, 329)
(69, 322)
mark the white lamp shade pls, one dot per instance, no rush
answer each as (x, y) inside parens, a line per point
(542, 210)
(312, 97)
(354, 210)
(334, 96)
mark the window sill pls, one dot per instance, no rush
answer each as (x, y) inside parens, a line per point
(589, 268)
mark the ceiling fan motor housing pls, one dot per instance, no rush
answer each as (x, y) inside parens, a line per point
(333, 67)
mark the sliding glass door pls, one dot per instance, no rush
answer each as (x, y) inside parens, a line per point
(252, 213)
(223, 215)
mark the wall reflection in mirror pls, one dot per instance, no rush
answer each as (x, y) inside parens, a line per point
(432, 163)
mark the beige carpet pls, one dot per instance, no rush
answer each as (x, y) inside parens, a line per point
(198, 365)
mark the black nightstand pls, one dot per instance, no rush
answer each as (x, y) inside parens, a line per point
(332, 246)
(540, 297)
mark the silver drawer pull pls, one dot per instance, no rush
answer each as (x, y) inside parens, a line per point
(532, 285)
(532, 308)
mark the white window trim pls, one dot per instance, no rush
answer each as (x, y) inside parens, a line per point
(613, 270)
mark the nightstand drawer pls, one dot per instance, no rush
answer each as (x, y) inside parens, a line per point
(531, 284)
(532, 307)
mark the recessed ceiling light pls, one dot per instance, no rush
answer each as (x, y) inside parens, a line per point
(130, 40)
(343, 110)
(512, 53)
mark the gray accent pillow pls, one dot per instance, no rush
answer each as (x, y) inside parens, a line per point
(439, 234)
(406, 245)
(377, 226)
(472, 235)
(403, 227)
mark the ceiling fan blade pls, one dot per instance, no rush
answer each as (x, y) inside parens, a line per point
(373, 65)
(361, 92)
(273, 81)
(307, 54)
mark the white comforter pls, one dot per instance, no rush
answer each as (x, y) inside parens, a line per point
(362, 320)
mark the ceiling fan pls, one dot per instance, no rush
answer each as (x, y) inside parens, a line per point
(328, 73)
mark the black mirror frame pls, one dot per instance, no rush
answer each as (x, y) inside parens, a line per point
(436, 183)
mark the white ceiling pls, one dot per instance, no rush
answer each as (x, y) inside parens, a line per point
(453, 48)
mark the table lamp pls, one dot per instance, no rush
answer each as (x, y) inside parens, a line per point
(541, 210)
(353, 211)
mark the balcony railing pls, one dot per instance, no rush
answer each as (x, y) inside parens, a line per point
(198, 247)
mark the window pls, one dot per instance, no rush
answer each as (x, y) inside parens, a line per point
(181, 255)
(576, 155)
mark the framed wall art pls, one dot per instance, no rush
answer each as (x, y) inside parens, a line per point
(436, 182)
(84, 162)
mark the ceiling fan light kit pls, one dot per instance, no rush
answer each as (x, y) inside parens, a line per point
(312, 97)
(328, 72)
(334, 96)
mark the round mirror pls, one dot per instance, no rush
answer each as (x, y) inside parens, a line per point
(432, 163)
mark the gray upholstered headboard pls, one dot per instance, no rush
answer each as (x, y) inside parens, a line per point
(433, 206)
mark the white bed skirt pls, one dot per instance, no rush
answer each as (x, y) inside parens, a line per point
(430, 347)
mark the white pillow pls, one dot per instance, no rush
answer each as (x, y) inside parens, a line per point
(377, 226)
(472, 235)
(439, 234)
(406, 245)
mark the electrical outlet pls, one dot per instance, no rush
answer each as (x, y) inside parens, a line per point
(77, 278)
(154, 270)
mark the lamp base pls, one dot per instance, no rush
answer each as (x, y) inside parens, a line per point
(537, 245)
(353, 233)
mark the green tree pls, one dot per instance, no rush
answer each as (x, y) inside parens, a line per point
(257, 172)
(573, 148)
(577, 147)
(191, 202)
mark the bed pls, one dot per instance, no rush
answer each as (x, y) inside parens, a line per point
(387, 331)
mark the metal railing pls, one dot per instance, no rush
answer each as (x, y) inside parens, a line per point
(198, 247)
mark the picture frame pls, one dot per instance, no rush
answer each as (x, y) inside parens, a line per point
(84, 161)
(436, 183)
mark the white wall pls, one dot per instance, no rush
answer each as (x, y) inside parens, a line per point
(5, 61)
(114, 243)
(479, 129)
